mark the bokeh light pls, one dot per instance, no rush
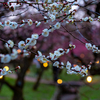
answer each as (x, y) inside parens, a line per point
(59, 81)
(89, 79)
(19, 51)
(45, 64)
(7, 68)
(1, 76)
(97, 62)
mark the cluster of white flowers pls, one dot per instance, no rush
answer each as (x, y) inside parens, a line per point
(8, 57)
(90, 19)
(56, 12)
(53, 56)
(93, 48)
(9, 44)
(57, 9)
(4, 71)
(41, 57)
(73, 69)
(83, 71)
(12, 25)
(28, 42)
(57, 54)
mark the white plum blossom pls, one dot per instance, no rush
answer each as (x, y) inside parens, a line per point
(35, 36)
(57, 25)
(23, 23)
(95, 49)
(89, 46)
(84, 72)
(25, 53)
(13, 25)
(52, 17)
(45, 19)
(6, 58)
(45, 32)
(61, 51)
(51, 55)
(85, 19)
(76, 68)
(7, 23)
(98, 17)
(30, 22)
(14, 56)
(40, 54)
(90, 19)
(37, 23)
(66, 51)
(10, 43)
(27, 40)
(14, 51)
(57, 54)
(41, 57)
(56, 64)
(32, 42)
(3, 71)
(21, 45)
(68, 65)
(62, 65)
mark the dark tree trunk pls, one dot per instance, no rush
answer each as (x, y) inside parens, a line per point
(39, 78)
(67, 91)
(18, 92)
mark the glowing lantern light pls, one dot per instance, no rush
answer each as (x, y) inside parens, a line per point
(1, 76)
(7, 68)
(59, 81)
(19, 51)
(97, 62)
(89, 79)
(45, 64)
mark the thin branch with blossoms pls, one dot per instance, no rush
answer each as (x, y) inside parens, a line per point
(50, 14)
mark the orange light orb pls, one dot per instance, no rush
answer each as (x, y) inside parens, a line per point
(59, 81)
(1, 76)
(19, 51)
(45, 64)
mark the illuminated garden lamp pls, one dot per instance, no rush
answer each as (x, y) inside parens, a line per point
(89, 79)
(59, 81)
(7, 68)
(19, 51)
(1, 76)
(45, 64)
